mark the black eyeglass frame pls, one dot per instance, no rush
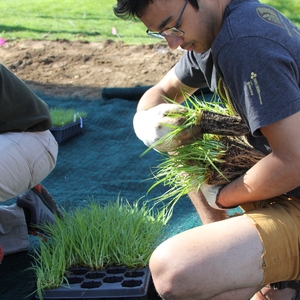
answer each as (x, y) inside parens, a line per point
(174, 31)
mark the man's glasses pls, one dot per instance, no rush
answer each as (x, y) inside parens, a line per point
(173, 31)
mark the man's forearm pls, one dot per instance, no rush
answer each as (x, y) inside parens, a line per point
(269, 178)
(151, 98)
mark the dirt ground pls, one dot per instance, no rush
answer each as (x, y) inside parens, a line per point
(81, 69)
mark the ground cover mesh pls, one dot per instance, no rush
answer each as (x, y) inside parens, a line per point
(100, 164)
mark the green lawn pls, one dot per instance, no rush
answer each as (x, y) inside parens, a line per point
(91, 20)
(67, 19)
(290, 8)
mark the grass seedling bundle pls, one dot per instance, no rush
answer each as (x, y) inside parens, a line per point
(218, 154)
(61, 117)
(116, 234)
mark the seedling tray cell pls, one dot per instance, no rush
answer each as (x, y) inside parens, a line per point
(65, 132)
(119, 283)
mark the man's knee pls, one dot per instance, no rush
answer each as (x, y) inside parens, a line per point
(166, 276)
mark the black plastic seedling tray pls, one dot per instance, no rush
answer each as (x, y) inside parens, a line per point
(113, 283)
(64, 133)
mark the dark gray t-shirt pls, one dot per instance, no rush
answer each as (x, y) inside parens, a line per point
(257, 55)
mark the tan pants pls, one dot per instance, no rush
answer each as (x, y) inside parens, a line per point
(278, 223)
(25, 160)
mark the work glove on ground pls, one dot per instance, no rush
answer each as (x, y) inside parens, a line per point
(153, 124)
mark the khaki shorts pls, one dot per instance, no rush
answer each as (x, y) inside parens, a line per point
(278, 223)
(26, 158)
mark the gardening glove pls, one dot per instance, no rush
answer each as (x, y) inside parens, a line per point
(211, 193)
(153, 124)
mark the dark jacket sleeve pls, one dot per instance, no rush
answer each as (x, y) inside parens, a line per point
(20, 108)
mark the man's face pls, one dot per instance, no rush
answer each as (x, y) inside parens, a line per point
(199, 27)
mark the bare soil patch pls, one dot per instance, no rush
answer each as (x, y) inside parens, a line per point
(82, 69)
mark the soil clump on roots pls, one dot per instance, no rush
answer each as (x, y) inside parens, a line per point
(238, 159)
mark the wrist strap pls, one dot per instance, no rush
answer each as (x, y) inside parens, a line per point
(217, 198)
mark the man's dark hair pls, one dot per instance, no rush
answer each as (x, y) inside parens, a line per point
(134, 9)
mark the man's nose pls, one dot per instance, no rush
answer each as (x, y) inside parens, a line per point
(174, 41)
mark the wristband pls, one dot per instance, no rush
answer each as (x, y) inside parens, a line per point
(217, 198)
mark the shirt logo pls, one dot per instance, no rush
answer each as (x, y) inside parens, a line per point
(253, 86)
(270, 15)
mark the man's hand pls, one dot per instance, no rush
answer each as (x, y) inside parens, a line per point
(153, 124)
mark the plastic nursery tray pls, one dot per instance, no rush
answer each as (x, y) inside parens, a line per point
(113, 283)
(64, 133)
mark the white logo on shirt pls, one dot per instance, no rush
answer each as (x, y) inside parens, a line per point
(253, 83)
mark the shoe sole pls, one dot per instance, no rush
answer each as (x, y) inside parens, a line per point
(48, 200)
